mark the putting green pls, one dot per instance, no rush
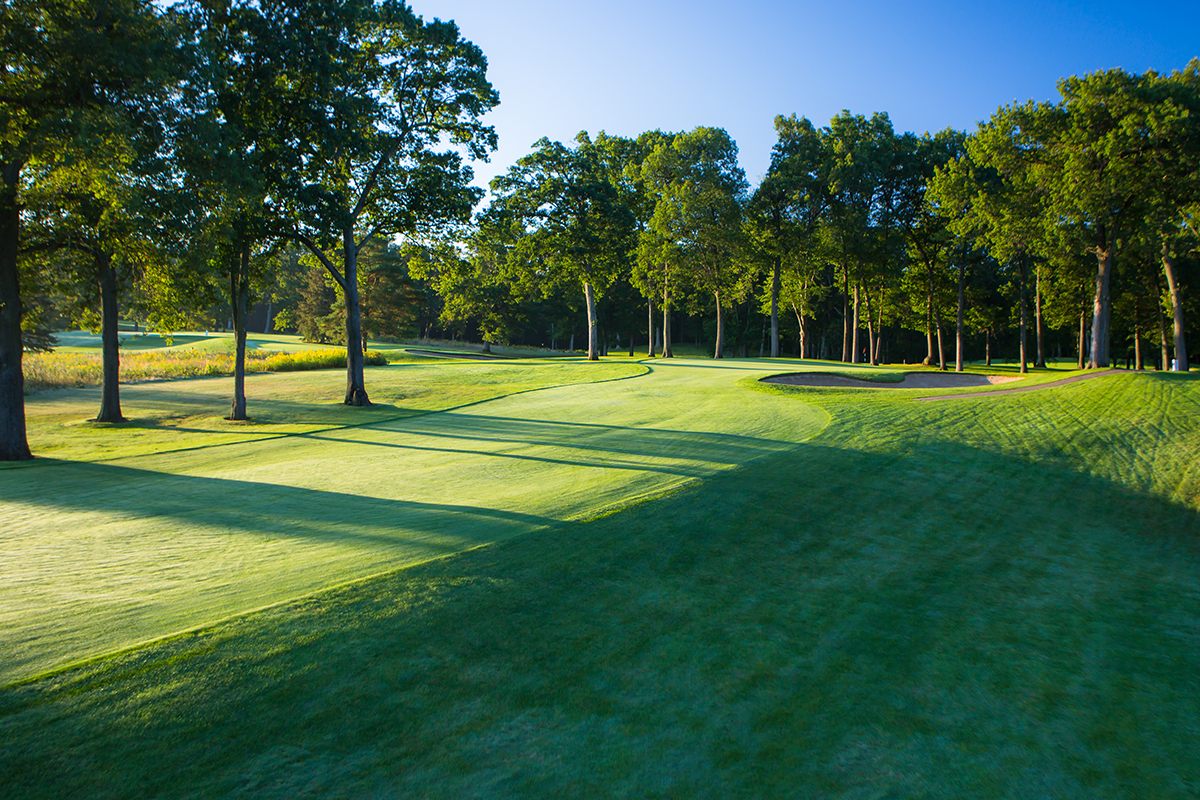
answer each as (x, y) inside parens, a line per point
(103, 555)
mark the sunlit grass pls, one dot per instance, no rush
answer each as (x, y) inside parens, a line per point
(62, 370)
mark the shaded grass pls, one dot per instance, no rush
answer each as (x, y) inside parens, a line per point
(995, 599)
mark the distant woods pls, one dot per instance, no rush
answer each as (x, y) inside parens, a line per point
(305, 167)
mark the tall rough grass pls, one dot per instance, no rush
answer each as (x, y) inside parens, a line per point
(64, 370)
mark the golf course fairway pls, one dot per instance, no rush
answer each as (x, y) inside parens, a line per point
(99, 556)
(624, 579)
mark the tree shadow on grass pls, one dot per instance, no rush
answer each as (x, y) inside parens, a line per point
(942, 622)
(99, 557)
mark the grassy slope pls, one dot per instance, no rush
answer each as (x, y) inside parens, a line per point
(994, 597)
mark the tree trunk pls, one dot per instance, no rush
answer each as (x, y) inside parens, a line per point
(1037, 317)
(937, 316)
(929, 322)
(666, 329)
(1024, 360)
(593, 341)
(1101, 306)
(13, 443)
(870, 329)
(719, 349)
(356, 389)
(1082, 338)
(959, 342)
(1138, 363)
(1162, 327)
(239, 297)
(1181, 354)
(987, 347)
(650, 327)
(854, 359)
(110, 391)
(267, 326)
(803, 332)
(845, 315)
(775, 281)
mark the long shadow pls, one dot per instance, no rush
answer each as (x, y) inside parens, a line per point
(945, 578)
(642, 443)
(261, 509)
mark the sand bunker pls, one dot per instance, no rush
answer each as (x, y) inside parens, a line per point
(929, 380)
(912, 380)
(440, 354)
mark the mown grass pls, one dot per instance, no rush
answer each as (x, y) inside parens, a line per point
(992, 597)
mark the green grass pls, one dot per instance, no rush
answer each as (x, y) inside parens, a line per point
(827, 593)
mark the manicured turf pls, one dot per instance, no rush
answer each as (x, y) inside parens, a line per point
(225, 519)
(994, 597)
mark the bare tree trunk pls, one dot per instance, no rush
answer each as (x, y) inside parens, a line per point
(650, 324)
(987, 347)
(593, 343)
(110, 392)
(719, 349)
(775, 281)
(356, 389)
(666, 330)
(1181, 354)
(959, 341)
(267, 326)
(1101, 305)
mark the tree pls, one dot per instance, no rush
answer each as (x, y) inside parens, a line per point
(784, 213)
(70, 69)
(236, 149)
(860, 152)
(382, 89)
(569, 224)
(1099, 147)
(697, 219)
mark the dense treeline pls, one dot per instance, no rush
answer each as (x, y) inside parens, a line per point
(182, 164)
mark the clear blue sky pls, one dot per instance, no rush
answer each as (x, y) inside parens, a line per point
(626, 66)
